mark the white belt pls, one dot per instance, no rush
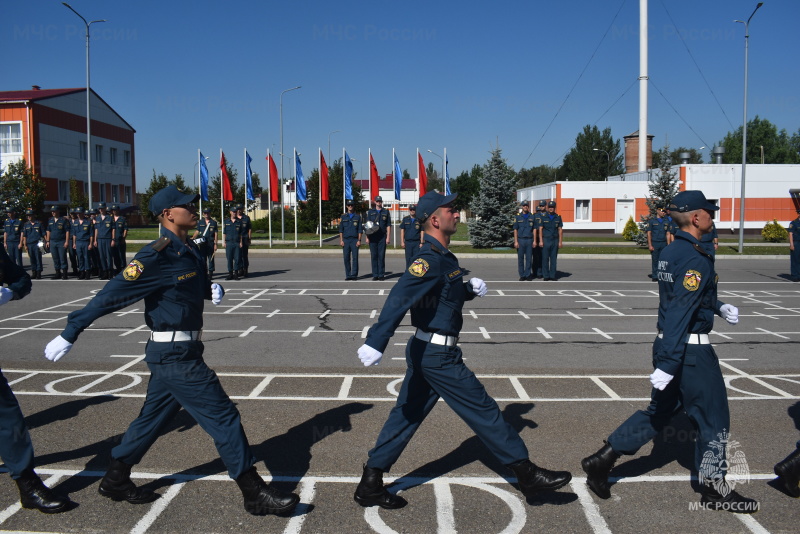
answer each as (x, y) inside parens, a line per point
(176, 335)
(436, 339)
(694, 339)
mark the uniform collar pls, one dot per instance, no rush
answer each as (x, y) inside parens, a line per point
(687, 236)
(435, 242)
(179, 245)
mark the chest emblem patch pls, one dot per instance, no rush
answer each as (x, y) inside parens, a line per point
(691, 280)
(419, 267)
(133, 271)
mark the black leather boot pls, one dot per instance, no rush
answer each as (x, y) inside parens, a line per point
(57, 276)
(789, 472)
(64, 275)
(731, 502)
(372, 492)
(118, 486)
(261, 499)
(597, 468)
(533, 479)
(35, 495)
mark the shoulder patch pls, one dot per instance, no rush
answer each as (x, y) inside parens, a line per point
(133, 271)
(691, 280)
(160, 244)
(419, 267)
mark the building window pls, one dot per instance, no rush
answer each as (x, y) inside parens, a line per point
(11, 138)
(114, 198)
(98, 153)
(102, 188)
(112, 156)
(127, 197)
(582, 210)
(83, 150)
(63, 191)
(127, 155)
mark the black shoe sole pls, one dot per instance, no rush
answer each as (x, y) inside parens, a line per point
(262, 510)
(63, 508)
(532, 492)
(118, 497)
(368, 502)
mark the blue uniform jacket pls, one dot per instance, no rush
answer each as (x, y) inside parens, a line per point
(212, 228)
(34, 232)
(658, 229)
(120, 225)
(433, 287)
(687, 287)
(83, 231)
(382, 219)
(350, 226)
(105, 227)
(13, 230)
(550, 225)
(524, 225)
(13, 276)
(171, 278)
(794, 229)
(411, 228)
(58, 228)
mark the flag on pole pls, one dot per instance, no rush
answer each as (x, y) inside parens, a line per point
(374, 187)
(227, 193)
(325, 192)
(274, 192)
(248, 177)
(299, 181)
(398, 178)
(422, 176)
(203, 178)
(446, 174)
(348, 177)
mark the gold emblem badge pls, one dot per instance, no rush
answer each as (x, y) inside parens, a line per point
(419, 267)
(133, 270)
(691, 280)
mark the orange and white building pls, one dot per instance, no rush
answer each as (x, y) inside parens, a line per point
(47, 127)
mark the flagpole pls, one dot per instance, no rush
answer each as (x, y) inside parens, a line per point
(245, 181)
(369, 173)
(418, 177)
(444, 177)
(295, 197)
(320, 197)
(396, 201)
(199, 182)
(344, 184)
(221, 191)
(269, 181)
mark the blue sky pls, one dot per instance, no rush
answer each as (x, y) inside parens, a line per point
(462, 75)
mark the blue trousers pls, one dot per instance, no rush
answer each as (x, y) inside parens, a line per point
(35, 255)
(208, 254)
(120, 254)
(550, 258)
(82, 251)
(377, 252)
(536, 262)
(657, 248)
(350, 251)
(412, 247)
(232, 252)
(244, 254)
(699, 389)
(435, 371)
(180, 378)
(525, 256)
(794, 260)
(59, 255)
(16, 449)
(14, 253)
(104, 249)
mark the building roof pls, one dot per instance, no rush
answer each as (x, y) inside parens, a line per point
(36, 94)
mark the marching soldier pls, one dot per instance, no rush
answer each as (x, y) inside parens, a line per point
(32, 234)
(121, 233)
(350, 230)
(207, 231)
(247, 237)
(104, 237)
(232, 231)
(57, 240)
(13, 236)
(379, 238)
(411, 234)
(551, 235)
(82, 233)
(523, 241)
(657, 230)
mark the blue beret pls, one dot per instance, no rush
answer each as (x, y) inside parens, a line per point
(168, 197)
(686, 201)
(432, 201)
(543, 203)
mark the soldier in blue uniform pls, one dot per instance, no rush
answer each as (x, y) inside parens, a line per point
(672, 227)
(12, 237)
(170, 276)
(247, 237)
(411, 233)
(32, 234)
(82, 234)
(656, 239)
(206, 238)
(71, 254)
(57, 239)
(433, 288)
(687, 374)
(379, 238)
(536, 257)
(350, 230)
(105, 239)
(523, 241)
(16, 449)
(794, 249)
(121, 234)
(710, 241)
(94, 255)
(232, 232)
(551, 235)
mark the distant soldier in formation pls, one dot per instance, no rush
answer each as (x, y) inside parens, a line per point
(247, 237)
(121, 234)
(536, 258)
(32, 234)
(411, 234)
(12, 237)
(104, 236)
(207, 230)
(232, 231)
(94, 254)
(551, 235)
(379, 238)
(523, 241)
(350, 230)
(794, 248)
(71, 254)
(57, 239)
(657, 231)
(82, 237)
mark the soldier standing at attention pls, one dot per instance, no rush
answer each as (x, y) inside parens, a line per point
(379, 238)
(656, 239)
(57, 239)
(71, 255)
(411, 234)
(104, 237)
(232, 230)
(121, 233)
(523, 241)
(247, 237)
(12, 237)
(794, 248)
(536, 258)
(32, 233)
(207, 229)
(170, 276)
(350, 231)
(433, 288)
(82, 232)
(687, 374)
(551, 235)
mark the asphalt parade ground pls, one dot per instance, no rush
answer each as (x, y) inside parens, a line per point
(567, 362)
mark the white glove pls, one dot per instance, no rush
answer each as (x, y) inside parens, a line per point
(217, 292)
(478, 286)
(5, 295)
(199, 241)
(730, 313)
(369, 356)
(56, 349)
(660, 379)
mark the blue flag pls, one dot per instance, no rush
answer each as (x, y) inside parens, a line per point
(300, 181)
(203, 178)
(348, 177)
(248, 180)
(446, 175)
(398, 178)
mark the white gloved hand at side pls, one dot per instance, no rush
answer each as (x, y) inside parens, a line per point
(5, 295)
(369, 356)
(217, 292)
(729, 313)
(660, 379)
(478, 287)
(57, 349)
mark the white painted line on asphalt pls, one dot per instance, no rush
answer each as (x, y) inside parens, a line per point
(260, 387)
(158, 506)
(128, 312)
(751, 524)
(24, 377)
(134, 330)
(373, 314)
(771, 333)
(364, 332)
(272, 314)
(754, 379)
(602, 333)
(473, 314)
(246, 332)
(445, 508)
(484, 333)
(119, 370)
(574, 314)
(590, 508)
(544, 333)
(344, 391)
(721, 334)
(307, 331)
(302, 291)
(500, 293)
(605, 387)
(246, 301)
(519, 388)
(307, 492)
(525, 315)
(325, 313)
(35, 327)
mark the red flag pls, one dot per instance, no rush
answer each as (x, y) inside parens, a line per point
(374, 187)
(227, 194)
(323, 177)
(274, 192)
(423, 177)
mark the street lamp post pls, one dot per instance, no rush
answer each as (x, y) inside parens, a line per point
(283, 236)
(608, 160)
(441, 158)
(88, 114)
(329, 144)
(744, 127)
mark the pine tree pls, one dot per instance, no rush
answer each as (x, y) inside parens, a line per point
(494, 205)
(662, 186)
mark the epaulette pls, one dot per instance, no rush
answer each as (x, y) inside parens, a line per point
(435, 248)
(699, 249)
(160, 244)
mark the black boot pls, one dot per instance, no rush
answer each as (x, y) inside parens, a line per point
(35, 495)
(64, 275)
(57, 276)
(236, 275)
(230, 276)
(118, 486)
(732, 502)
(261, 499)
(597, 468)
(789, 472)
(371, 491)
(533, 479)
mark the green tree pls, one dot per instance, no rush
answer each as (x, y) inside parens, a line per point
(22, 189)
(695, 156)
(157, 183)
(77, 197)
(662, 188)
(494, 205)
(467, 185)
(583, 162)
(536, 175)
(435, 182)
(308, 212)
(779, 147)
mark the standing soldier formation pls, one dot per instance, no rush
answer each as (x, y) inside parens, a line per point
(657, 231)
(206, 238)
(350, 230)
(247, 237)
(794, 249)
(536, 259)
(57, 239)
(232, 230)
(82, 243)
(524, 228)
(12, 237)
(411, 234)
(551, 235)
(32, 235)
(378, 238)
(120, 233)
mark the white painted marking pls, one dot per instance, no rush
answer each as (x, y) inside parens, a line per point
(500, 293)
(544, 333)
(158, 506)
(771, 333)
(373, 314)
(573, 314)
(364, 332)
(751, 524)
(246, 332)
(272, 313)
(484, 333)
(473, 314)
(518, 388)
(743, 374)
(721, 334)
(602, 333)
(118, 371)
(605, 387)
(261, 386)
(391, 387)
(303, 292)
(325, 313)
(445, 508)
(525, 315)
(344, 391)
(590, 508)
(308, 491)
(134, 330)
(308, 331)
(246, 301)
(24, 377)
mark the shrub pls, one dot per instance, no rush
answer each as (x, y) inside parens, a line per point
(630, 230)
(774, 232)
